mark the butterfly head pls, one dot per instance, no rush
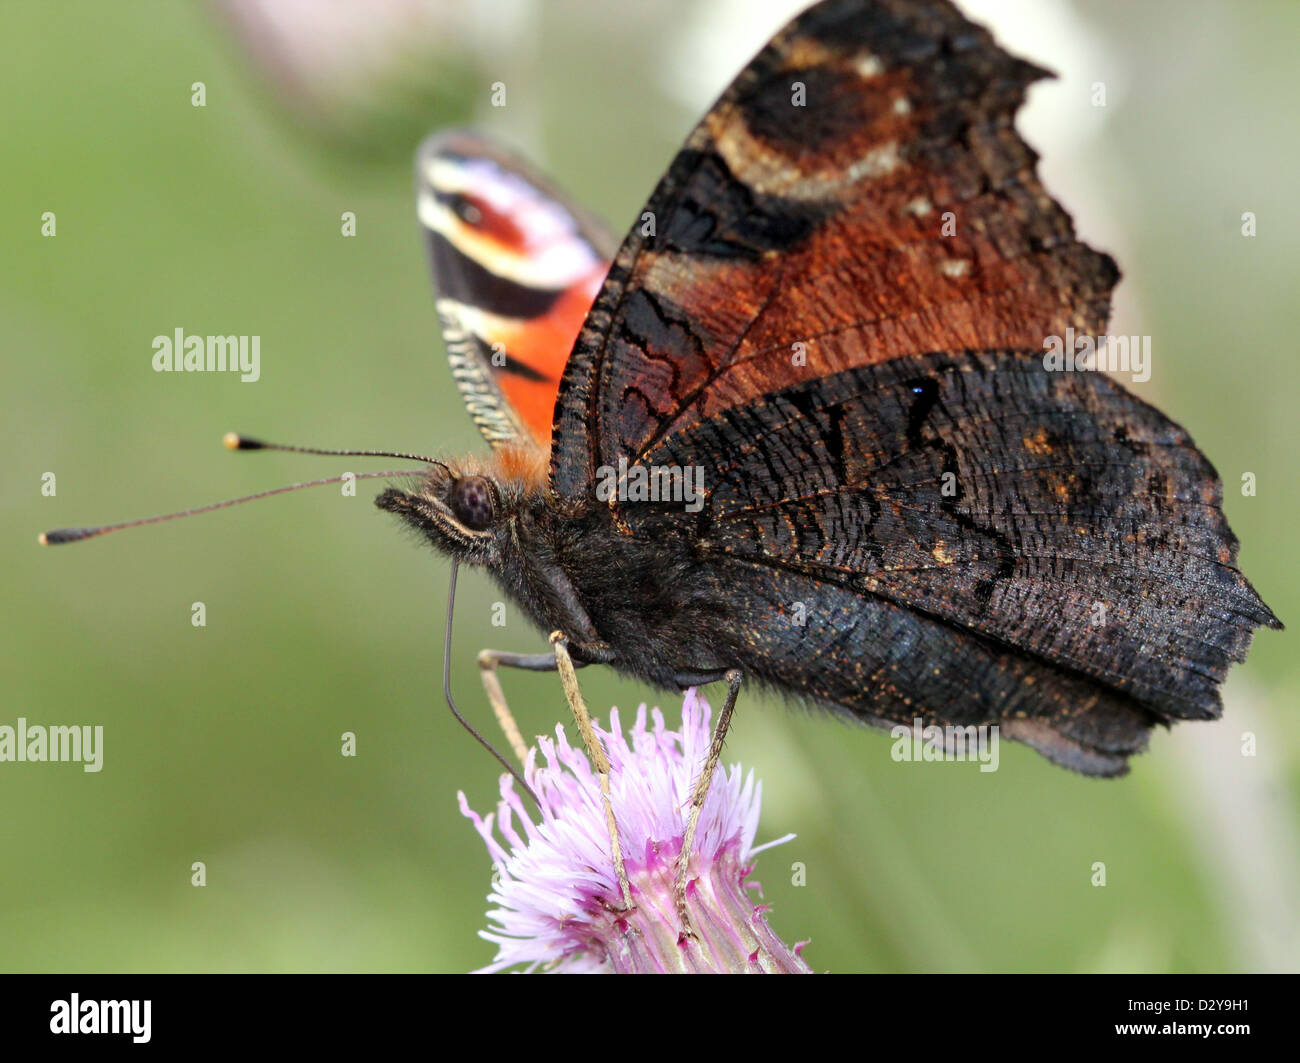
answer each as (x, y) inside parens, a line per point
(465, 508)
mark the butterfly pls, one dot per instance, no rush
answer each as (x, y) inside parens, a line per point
(797, 427)
(904, 514)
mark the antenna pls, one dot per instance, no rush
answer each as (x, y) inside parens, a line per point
(75, 535)
(234, 441)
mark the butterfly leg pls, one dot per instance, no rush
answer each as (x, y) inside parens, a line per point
(488, 662)
(569, 681)
(734, 677)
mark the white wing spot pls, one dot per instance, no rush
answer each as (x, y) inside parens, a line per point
(869, 66)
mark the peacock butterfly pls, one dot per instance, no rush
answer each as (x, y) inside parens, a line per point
(881, 443)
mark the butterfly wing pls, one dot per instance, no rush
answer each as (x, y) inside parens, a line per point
(840, 317)
(859, 191)
(516, 269)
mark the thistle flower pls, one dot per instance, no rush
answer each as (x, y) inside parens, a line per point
(557, 892)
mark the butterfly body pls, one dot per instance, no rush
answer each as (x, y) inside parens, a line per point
(837, 314)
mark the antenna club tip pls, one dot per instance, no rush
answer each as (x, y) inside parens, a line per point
(66, 535)
(234, 441)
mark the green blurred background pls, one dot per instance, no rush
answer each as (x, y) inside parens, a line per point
(222, 742)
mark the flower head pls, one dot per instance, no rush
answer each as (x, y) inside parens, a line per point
(558, 896)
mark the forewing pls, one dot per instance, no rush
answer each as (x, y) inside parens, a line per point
(515, 269)
(858, 194)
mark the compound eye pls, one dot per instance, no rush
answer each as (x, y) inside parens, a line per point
(471, 502)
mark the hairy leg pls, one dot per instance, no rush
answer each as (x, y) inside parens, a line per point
(569, 680)
(734, 677)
